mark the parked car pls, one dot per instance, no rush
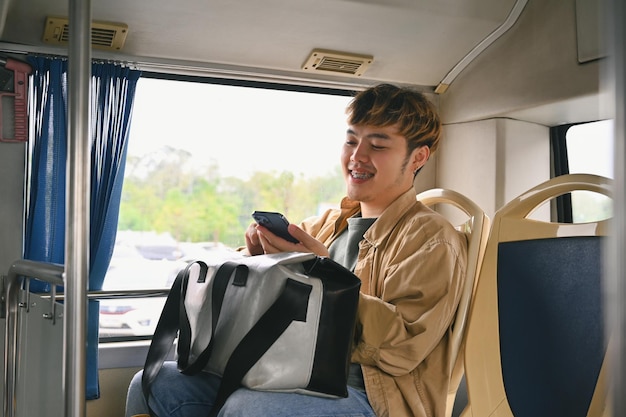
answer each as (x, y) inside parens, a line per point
(147, 265)
(137, 265)
(130, 316)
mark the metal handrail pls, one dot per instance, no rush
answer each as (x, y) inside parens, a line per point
(53, 274)
(77, 208)
(114, 294)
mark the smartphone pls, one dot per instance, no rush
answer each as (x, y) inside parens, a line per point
(275, 222)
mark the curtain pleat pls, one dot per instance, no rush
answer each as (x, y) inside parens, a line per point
(112, 94)
(45, 222)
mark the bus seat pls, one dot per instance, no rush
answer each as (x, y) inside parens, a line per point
(475, 229)
(535, 343)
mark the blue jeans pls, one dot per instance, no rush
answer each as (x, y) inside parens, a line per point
(177, 395)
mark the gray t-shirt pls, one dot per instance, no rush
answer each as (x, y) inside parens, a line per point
(345, 250)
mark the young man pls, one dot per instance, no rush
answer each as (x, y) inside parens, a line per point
(411, 263)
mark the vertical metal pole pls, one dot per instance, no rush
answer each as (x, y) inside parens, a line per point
(77, 207)
(614, 81)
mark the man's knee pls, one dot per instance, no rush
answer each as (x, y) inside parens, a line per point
(135, 401)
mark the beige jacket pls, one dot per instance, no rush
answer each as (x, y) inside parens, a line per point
(412, 265)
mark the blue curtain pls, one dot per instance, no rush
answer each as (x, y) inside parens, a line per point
(112, 94)
(45, 222)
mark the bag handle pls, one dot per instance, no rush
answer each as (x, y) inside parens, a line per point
(219, 286)
(291, 305)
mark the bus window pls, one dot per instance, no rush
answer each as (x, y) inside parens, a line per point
(201, 158)
(590, 150)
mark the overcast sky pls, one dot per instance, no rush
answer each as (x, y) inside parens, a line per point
(243, 129)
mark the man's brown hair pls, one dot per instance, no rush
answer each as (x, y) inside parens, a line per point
(386, 105)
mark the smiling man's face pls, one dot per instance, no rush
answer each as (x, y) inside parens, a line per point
(376, 167)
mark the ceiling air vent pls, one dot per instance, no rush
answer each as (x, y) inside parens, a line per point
(337, 62)
(104, 35)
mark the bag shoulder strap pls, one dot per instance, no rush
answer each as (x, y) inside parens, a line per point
(164, 333)
(291, 305)
(219, 286)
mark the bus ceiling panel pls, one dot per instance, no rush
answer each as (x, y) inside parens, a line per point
(411, 42)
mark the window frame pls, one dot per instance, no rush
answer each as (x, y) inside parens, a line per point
(560, 166)
(563, 207)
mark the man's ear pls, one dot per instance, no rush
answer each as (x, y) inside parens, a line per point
(420, 157)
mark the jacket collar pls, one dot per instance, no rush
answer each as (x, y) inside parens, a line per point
(385, 223)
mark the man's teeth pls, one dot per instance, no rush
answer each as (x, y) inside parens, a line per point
(361, 175)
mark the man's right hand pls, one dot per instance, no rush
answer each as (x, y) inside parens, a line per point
(260, 240)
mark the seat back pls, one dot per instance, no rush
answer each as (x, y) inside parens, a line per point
(475, 228)
(535, 339)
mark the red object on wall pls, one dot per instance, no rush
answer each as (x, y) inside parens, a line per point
(14, 102)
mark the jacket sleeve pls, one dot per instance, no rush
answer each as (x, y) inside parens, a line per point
(418, 297)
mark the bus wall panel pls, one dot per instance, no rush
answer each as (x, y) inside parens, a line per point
(40, 361)
(493, 161)
(468, 162)
(113, 388)
(12, 166)
(535, 63)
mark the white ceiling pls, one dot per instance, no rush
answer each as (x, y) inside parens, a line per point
(413, 41)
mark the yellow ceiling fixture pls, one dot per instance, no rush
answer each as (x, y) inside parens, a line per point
(104, 35)
(339, 63)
